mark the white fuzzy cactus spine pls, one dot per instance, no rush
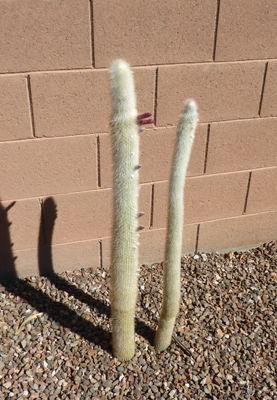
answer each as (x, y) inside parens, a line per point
(172, 264)
(124, 259)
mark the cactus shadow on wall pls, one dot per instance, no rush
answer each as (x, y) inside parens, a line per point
(7, 259)
(56, 310)
(49, 215)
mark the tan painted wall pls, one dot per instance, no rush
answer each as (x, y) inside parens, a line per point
(55, 156)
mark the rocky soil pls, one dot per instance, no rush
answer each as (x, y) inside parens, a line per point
(55, 334)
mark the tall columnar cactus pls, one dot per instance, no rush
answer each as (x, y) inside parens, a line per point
(172, 264)
(124, 260)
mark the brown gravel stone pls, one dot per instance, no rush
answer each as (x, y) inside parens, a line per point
(227, 320)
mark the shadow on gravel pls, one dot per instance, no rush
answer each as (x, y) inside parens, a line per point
(56, 310)
(60, 313)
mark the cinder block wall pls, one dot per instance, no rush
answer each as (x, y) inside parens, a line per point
(55, 148)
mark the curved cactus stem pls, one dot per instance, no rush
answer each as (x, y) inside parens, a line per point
(124, 258)
(172, 264)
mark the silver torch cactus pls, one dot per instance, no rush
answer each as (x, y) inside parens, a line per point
(124, 258)
(172, 264)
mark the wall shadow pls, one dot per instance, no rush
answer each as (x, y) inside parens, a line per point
(45, 260)
(48, 217)
(7, 259)
(57, 311)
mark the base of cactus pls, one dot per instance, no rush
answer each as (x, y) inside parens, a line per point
(123, 335)
(164, 334)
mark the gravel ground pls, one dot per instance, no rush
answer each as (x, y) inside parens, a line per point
(227, 321)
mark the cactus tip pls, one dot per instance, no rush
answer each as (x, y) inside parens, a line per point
(190, 103)
(120, 63)
(191, 107)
